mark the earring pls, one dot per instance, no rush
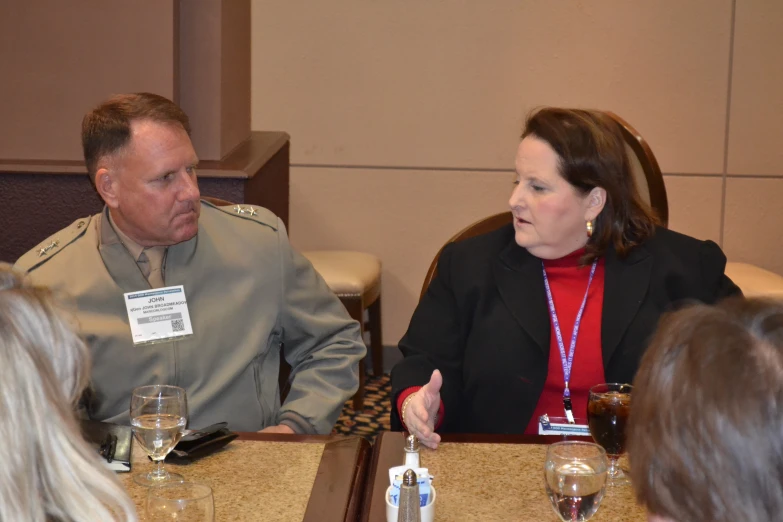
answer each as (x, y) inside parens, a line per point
(589, 225)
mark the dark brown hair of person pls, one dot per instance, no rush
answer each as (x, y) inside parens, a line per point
(107, 128)
(591, 154)
(705, 435)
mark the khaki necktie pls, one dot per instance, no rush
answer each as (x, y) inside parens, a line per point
(151, 264)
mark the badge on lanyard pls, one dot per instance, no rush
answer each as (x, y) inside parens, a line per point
(158, 315)
(560, 426)
(567, 361)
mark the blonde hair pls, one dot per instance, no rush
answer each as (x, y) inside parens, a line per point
(47, 470)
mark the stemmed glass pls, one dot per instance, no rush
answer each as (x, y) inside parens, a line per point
(158, 415)
(575, 475)
(184, 502)
(608, 408)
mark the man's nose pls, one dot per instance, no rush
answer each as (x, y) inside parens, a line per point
(189, 191)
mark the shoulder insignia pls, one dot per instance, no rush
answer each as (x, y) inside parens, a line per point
(249, 212)
(52, 245)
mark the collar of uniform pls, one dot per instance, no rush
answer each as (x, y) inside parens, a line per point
(155, 255)
(112, 234)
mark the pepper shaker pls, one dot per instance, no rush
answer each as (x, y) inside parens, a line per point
(410, 503)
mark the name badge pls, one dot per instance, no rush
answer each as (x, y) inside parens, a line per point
(158, 315)
(560, 426)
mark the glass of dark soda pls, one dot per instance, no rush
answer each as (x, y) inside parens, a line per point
(608, 408)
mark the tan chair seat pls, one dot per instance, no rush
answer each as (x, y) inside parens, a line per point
(355, 277)
(755, 281)
(348, 273)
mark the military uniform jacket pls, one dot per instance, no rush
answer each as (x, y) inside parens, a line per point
(251, 298)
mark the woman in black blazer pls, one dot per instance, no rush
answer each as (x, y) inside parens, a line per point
(482, 354)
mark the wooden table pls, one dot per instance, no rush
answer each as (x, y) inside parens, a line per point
(272, 477)
(509, 471)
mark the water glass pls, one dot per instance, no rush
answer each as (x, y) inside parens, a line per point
(158, 415)
(180, 502)
(575, 476)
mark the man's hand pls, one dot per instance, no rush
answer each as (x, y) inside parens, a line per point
(419, 413)
(280, 428)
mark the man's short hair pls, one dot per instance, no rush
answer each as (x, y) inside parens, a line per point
(107, 128)
(706, 427)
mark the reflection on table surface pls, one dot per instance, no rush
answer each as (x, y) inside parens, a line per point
(274, 477)
(508, 473)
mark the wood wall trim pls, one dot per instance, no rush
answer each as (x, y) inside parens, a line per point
(243, 162)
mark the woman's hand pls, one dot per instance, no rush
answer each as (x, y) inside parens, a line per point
(420, 410)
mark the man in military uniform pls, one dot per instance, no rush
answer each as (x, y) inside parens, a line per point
(250, 298)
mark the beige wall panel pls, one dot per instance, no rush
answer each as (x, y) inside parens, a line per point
(753, 222)
(215, 73)
(756, 125)
(445, 83)
(200, 45)
(235, 74)
(695, 205)
(402, 216)
(59, 59)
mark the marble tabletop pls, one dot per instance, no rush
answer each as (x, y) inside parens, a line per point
(509, 480)
(273, 478)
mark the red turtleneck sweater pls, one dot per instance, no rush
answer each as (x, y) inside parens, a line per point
(568, 283)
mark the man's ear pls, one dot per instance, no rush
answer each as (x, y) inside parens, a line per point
(596, 200)
(106, 185)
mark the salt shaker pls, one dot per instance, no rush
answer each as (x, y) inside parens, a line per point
(410, 503)
(412, 452)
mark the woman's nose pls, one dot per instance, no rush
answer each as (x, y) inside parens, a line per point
(516, 197)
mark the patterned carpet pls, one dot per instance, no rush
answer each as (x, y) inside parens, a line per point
(374, 418)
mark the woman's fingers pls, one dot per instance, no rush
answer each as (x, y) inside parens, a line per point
(431, 442)
(423, 431)
(420, 420)
(431, 390)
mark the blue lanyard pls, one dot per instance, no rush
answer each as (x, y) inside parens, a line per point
(567, 361)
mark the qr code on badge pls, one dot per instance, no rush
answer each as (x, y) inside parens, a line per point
(178, 325)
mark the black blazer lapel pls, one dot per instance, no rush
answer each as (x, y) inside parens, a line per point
(520, 282)
(626, 282)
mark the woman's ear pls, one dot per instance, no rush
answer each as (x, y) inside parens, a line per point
(595, 201)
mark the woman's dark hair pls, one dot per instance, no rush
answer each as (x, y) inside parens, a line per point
(591, 153)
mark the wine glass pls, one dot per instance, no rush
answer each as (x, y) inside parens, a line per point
(158, 415)
(608, 408)
(183, 502)
(575, 475)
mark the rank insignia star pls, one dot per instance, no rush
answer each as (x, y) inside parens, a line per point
(240, 209)
(45, 250)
